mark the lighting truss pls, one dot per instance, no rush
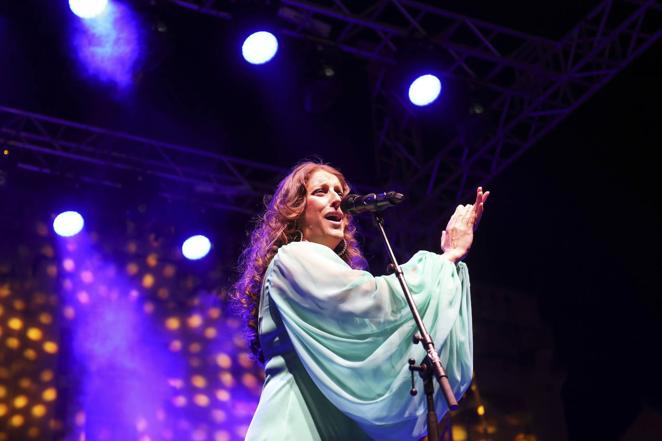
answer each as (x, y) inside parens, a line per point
(81, 152)
(529, 82)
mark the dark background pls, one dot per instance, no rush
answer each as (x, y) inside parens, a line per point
(573, 223)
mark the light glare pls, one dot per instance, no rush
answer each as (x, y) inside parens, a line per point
(424, 90)
(196, 247)
(259, 47)
(87, 8)
(68, 223)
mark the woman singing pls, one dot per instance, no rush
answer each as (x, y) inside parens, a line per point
(335, 339)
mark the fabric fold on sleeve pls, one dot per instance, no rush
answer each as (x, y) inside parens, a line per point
(353, 332)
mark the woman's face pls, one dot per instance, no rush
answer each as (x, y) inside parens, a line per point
(323, 221)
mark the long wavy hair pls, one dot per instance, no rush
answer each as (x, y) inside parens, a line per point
(278, 226)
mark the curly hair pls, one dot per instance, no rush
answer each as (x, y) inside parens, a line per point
(278, 226)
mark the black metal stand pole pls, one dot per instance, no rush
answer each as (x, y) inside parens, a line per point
(432, 359)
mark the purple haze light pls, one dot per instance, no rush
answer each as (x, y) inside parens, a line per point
(259, 47)
(87, 8)
(196, 247)
(68, 223)
(108, 47)
(424, 90)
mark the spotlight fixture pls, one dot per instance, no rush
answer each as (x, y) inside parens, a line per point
(87, 8)
(259, 47)
(196, 247)
(424, 90)
(68, 223)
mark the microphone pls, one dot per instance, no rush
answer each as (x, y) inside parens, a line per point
(371, 202)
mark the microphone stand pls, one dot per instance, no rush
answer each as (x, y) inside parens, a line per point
(431, 365)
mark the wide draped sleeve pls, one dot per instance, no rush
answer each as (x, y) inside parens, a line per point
(353, 332)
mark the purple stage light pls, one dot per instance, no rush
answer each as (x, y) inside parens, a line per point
(259, 47)
(196, 247)
(109, 48)
(87, 8)
(424, 90)
(68, 223)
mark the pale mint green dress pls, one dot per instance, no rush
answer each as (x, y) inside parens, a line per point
(336, 343)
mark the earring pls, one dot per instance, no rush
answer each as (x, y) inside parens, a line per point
(298, 236)
(343, 249)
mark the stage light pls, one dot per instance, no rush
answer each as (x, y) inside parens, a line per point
(259, 47)
(87, 8)
(424, 90)
(68, 223)
(196, 247)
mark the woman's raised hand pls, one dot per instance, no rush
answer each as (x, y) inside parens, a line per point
(458, 236)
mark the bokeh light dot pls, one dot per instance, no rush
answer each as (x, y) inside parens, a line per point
(245, 360)
(4, 410)
(30, 354)
(210, 332)
(13, 343)
(19, 305)
(194, 321)
(199, 381)
(20, 401)
(51, 271)
(175, 345)
(24, 383)
(49, 394)
(214, 312)
(141, 424)
(46, 375)
(17, 420)
(179, 401)
(69, 312)
(45, 318)
(199, 435)
(172, 323)
(132, 269)
(148, 281)
(218, 415)
(34, 333)
(249, 380)
(15, 323)
(87, 277)
(69, 265)
(221, 435)
(227, 379)
(201, 400)
(152, 260)
(222, 395)
(50, 347)
(169, 271)
(224, 361)
(148, 307)
(163, 293)
(194, 348)
(3, 391)
(79, 418)
(38, 410)
(33, 432)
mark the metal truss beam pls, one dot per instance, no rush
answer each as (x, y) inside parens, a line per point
(489, 54)
(591, 54)
(62, 148)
